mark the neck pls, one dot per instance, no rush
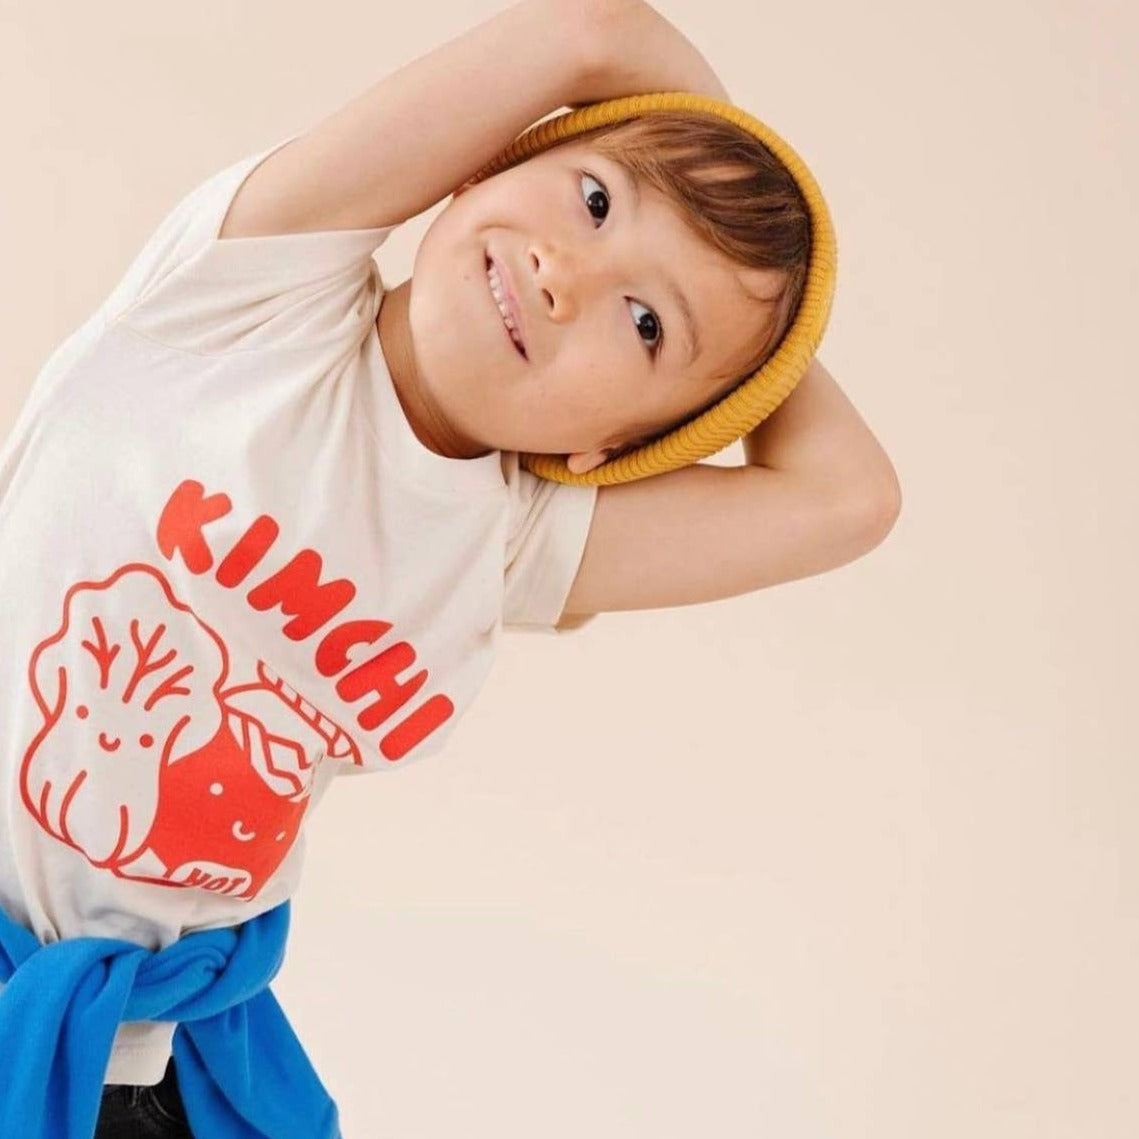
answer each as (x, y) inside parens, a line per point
(422, 411)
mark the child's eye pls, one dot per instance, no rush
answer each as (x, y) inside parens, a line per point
(650, 322)
(597, 196)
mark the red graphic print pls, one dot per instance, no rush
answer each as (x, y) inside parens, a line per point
(146, 764)
(312, 605)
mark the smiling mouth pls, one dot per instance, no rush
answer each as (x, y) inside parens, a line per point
(513, 334)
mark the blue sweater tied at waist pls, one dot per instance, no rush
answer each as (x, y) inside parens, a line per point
(241, 1069)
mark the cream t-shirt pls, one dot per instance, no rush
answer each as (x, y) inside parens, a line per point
(229, 572)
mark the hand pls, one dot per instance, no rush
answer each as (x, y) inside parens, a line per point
(640, 53)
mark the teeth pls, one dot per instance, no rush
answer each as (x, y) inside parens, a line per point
(496, 292)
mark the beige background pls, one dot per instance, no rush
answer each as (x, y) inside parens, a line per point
(850, 857)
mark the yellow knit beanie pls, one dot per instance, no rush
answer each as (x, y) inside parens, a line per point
(755, 398)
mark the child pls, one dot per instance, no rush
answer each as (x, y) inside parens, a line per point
(263, 519)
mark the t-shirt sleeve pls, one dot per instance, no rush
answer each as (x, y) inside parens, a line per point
(549, 524)
(192, 290)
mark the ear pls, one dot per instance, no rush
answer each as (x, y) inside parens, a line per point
(584, 461)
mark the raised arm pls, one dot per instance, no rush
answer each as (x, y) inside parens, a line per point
(817, 491)
(418, 133)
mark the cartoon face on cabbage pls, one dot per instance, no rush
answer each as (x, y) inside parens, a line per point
(146, 764)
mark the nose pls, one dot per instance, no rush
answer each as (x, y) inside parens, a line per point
(565, 278)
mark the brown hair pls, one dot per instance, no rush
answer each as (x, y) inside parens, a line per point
(734, 193)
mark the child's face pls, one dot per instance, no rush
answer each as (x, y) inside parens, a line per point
(593, 273)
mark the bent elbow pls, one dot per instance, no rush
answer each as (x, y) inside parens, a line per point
(878, 505)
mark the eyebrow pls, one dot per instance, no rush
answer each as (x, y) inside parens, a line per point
(678, 298)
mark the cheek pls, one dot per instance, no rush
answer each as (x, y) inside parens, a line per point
(434, 349)
(444, 307)
(596, 403)
(600, 342)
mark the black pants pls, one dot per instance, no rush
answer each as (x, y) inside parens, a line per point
(131, 1112)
